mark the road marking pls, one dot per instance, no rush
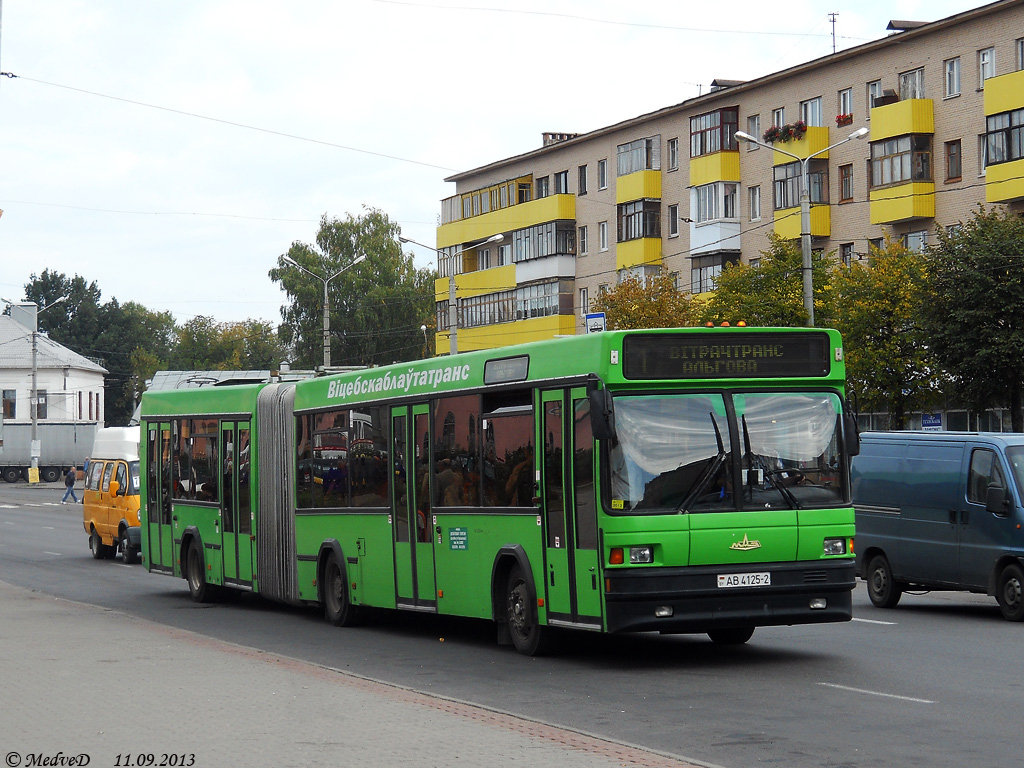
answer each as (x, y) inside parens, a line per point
(8, 506)
(877, 693)
(57, 554)
(49, 528)
(872, 621)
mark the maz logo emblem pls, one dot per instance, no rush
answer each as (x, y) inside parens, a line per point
(746, 544)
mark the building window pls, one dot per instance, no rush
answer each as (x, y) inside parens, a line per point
(602, 174)
(551, 239)
(952, 69)
(954, 161)
(754, 202)
(899, 160)
(602, 235)
(673, 154)
(553, 297)
(916, 241)
(42, 404)
(504, 254)
(912, 84)
(875, 244)
(846, 101)
(711, 202)
(704, 271)
(543, 185)
(640, 218)
(754, 129)
(582, 241)
(713, 131)
(639, 155)
(846, 253)
(845, 183)
(562, 183)
(584, 301)
(986, 65)
(581, 181)
(673, 220)
(1004, 139)
(779, 117)
(10, 403)
(1019, 47)
(874, 92)
(787, 184)
(810, 112)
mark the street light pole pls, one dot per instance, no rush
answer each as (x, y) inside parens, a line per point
(327, 306)
(453, 307)
(805, 208)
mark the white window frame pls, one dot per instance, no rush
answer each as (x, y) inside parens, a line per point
(673, 154)
(912, 84)
(874, 90)
(602, 174)
(810, 112)
(754, 129)
(916, 241)
(673, 220)
(845, 101)
(584, 302)
(1019, 48)
(986, 65)
(951, 68)
(779, 117)
(602, 235)
(754, 202)
(583, 241)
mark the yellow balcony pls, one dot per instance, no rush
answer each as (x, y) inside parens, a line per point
(1004, 182)
(901, 118)
(477, 283)
(814, 140)
(787, 222)
(644, 250)
(718, 166)
(551, 208)
(504, 334)
(903, 202)
(1004, 93)
(637, 186)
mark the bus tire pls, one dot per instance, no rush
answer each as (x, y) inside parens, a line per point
(1010, 592)
(731, 636)
(195, 574)
(129, 553)
(338, 608)
(99, 549)
(528, 636)
(882, 588)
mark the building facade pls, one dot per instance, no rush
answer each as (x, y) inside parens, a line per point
(674, 190)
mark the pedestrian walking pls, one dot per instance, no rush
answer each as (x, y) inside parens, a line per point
(69, 482)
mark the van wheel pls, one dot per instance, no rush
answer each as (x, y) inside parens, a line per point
(882, 589)
(99, 549)
(128, 552)
(338, 608)
(1008, 593)
(195, 574)
(528, 636)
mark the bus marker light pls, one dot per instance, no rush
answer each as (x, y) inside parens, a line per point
(663, 611)
(819, 604)
(540, 602)
(440, 593)
(615, 557)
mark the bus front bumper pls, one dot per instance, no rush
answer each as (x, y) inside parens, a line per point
(681, 600)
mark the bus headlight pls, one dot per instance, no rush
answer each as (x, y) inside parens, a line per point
(835, 546)
(638, 555)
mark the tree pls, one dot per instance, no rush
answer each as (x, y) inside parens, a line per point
(770, 292)
(206, 345)
(652, 302)
(889, 366)
(975, 313)
(377, 307)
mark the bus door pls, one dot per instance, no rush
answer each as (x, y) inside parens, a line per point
(159, 534)
(572, 579)
(410, 507)
(235, 512)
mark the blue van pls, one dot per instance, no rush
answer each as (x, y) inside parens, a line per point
(940, 511)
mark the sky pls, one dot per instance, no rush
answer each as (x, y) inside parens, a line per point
(172, 151)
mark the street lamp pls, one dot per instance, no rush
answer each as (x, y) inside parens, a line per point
(805, 207)
(327, 307)
(453, 313)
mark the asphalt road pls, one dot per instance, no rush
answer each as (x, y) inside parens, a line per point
(931, 683)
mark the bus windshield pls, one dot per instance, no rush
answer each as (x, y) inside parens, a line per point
(689, 452)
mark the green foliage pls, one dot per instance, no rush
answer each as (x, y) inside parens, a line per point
(377, 307)
(651, 303)
(770, 292)
(975, 312)
(878, 310)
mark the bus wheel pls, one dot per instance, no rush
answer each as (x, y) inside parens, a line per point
(99, 549)
(882, 589)
(732, 636)
(338, 609)
(528, 637)
(195, 574)
(1009, 592)
(128, 552)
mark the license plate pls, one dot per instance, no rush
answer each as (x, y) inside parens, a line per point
(744, 580)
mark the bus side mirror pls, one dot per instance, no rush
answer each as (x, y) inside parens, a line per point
(851, 435)
(602, 415)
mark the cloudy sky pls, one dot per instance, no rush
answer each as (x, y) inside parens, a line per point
(171, 151)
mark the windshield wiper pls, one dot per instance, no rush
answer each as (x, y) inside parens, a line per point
(710, 473)
(769, 473)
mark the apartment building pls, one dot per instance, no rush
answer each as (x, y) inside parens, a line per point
(527, 241)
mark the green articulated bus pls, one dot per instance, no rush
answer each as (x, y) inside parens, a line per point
(673, 480)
